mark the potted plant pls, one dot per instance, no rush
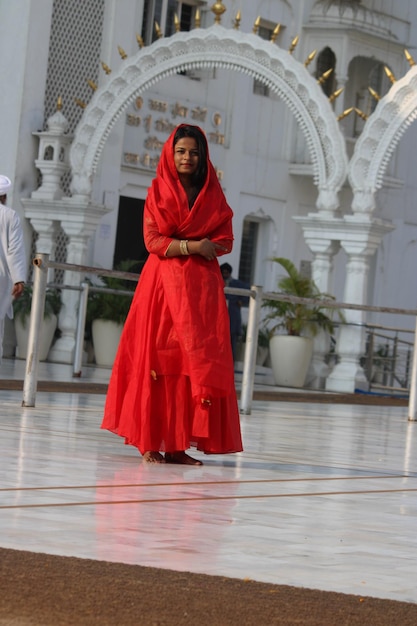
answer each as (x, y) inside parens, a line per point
(21, 312)
(263, 345)
(292, 325)
(107, 312)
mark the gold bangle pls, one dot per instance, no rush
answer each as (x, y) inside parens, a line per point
(183, 247)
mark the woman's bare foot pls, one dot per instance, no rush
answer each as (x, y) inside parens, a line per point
(181, 458)
(153, 457)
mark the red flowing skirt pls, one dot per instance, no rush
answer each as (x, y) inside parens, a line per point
(172, 384)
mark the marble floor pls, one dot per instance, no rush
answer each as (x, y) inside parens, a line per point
(322, 497)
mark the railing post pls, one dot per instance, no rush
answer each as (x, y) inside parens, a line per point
(249, 363)
(40, 277)
(412, 417)
(370, 358)
(79, 339)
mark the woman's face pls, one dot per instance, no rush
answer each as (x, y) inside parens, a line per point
(186, 156)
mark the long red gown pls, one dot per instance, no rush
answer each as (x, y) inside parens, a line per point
(172, 384)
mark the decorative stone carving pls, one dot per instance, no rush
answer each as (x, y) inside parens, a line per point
(210, 48)
(380, 136)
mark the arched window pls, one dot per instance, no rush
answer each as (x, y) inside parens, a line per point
(326, 61)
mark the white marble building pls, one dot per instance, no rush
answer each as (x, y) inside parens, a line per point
(319, 173)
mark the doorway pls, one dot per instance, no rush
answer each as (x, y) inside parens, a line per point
(129, 234)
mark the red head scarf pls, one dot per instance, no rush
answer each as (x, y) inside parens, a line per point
(168, 204)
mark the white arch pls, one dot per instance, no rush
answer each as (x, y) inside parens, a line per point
(209, 48)
(380, 136)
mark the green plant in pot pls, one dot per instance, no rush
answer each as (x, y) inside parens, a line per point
(107, 312)
(22, 305)
(297, 324)
(21, 312)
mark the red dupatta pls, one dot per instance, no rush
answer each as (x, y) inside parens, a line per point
(193, 286)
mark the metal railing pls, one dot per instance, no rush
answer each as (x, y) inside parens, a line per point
(387, 360)
(42, 264)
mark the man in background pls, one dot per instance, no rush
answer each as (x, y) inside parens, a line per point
(12, 257)
(234, 303)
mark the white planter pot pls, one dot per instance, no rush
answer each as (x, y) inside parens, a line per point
(106, 338)
(290, 358)
(48, 328)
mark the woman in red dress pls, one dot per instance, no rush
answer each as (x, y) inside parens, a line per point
(172, 384)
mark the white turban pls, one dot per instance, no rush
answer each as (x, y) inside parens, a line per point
(5, 185)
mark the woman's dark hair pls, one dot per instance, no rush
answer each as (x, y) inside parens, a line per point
(194, 132)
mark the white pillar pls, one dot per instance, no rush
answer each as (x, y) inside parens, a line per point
(322, 237)
(362, 237)
(79, 221)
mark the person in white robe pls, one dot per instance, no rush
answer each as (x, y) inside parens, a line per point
(13, 267)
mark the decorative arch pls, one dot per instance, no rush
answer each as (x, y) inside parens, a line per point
(211, 48)
(380, 137)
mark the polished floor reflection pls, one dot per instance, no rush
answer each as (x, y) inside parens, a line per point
(324, 496)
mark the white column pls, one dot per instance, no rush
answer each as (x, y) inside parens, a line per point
(79, 221)
(362, 237)
(322, 237)
(63, 350)
(322, 266)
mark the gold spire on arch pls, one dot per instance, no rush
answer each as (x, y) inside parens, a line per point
(140, 41)
(275, 33)
(409, 58)
(322, 79)
(105, 68)
(293, 44)
(310, 58)
(218, 9)
(335, 94)
(256, 25)
(345, 113)
(122, 53)
(389, 74)
(80, 103)
(374, 94)
(92, 84)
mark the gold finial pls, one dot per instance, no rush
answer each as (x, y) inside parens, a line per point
(293, 44)
(345, 113)
(409, 58)
(275, 33)
(390, 74)
(218, 9)
(361, 114)
(177, 24)
(105, 68)
(310, 58)
(140, 41)
(197, 19)
(374, 94)
(237, 21)
(158, 31)
(335, 94)
(91, 84)
(122, 52)
(324, 76)
(80, 103)
(256, 25)
(59, 103)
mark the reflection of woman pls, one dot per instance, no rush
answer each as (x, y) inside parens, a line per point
(172, 383)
